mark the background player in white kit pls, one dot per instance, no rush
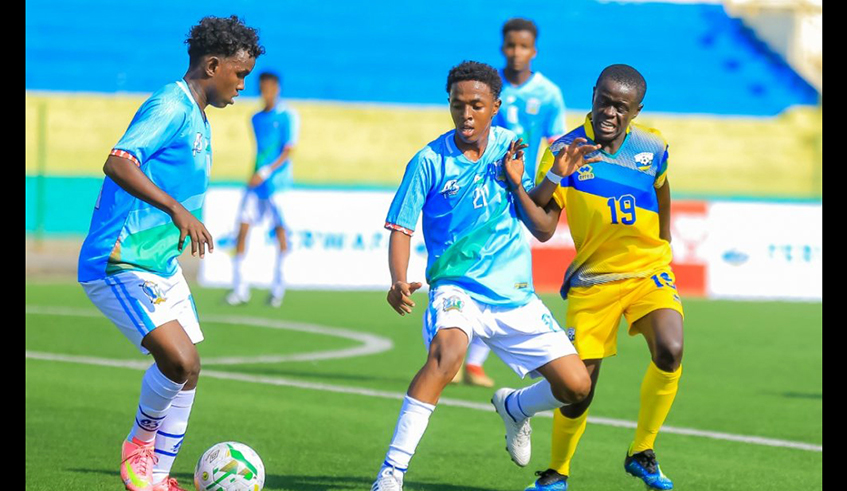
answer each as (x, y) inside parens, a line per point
(534, 109)
(276, 128)
(149, 205)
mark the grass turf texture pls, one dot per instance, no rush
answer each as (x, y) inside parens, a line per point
(751, 368)
(371, 144)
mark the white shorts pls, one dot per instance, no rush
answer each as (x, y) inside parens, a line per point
(254, 209)
(525, 337)
(138, 302)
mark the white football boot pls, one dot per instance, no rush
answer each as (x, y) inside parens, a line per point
(388, 479)
(518, 441)
(233, 298)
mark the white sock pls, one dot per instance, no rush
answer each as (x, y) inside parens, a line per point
(171, 432)
(238, 285)
(526, 402)
(278, 287)
(411, 425)
(477, 352)
(157, 392)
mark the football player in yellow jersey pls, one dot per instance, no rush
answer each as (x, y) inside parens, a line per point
(610, 177)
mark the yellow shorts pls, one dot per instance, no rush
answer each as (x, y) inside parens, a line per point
(594, 312)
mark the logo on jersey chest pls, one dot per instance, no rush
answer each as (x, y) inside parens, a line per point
(451, 188)
(586, 172)
(199, 144)
(533, 105)
(644, 160)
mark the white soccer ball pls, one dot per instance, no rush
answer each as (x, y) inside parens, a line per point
(229, 466)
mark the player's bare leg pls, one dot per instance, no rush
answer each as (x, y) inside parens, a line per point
(240, 293)
(167, 393)
(446, 353)
(278, 286)
(568, 426)
(663, 331)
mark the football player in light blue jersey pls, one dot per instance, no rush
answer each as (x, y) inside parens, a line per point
(534, 109)
(149, 205)
(276, 128)
(479, 270)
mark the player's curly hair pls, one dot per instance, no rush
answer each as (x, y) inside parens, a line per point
(520, 24)
(625, 75)
(480, 72)
(223, 36)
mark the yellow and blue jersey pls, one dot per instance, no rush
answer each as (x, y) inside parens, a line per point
(274, 131)
(169, 139)
(473, 236)
(535, 111)
(612, 208)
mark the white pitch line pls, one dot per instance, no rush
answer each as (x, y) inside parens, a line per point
(340, 389)
(371, 343)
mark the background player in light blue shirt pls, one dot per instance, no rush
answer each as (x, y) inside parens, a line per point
(276, 128)
(150, 203)
(534, 109)
(479, 269)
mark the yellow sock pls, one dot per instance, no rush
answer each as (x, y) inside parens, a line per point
(566, 435)
(657, 394)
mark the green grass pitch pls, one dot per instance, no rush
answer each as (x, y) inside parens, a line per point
(751, 369)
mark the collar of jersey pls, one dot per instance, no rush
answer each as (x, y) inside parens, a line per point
(521, 86)
(589, 132)
(182, 84)
(457, 152)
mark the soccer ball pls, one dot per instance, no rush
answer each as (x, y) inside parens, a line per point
(229, 466)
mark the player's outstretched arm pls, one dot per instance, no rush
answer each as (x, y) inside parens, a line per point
(128, 176)
(399, 295)
(265, 172)
(540, 220)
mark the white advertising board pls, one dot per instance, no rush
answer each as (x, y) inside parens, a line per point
(336, 240)
(765, 251)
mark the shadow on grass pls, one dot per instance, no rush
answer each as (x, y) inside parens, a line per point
(306, 483)
(802, 395)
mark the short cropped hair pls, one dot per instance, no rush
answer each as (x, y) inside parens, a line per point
(223, 36)
(476, 71)
(625, 75)
(519, 24)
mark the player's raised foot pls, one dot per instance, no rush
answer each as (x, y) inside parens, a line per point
(644, 466)
(388, 479)
(137, 461)
(475, 375)
(274, 301)
(548, 480)
(518, 441)
(233, 298)
(168, 484)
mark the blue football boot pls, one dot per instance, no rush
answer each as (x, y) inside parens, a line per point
(549, 480)
(644, 466)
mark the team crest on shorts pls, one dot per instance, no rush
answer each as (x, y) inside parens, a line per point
(571, 332)
(453, 303)
(644, 160)
(153, 292)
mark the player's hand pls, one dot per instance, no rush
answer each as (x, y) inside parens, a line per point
(399, 296)
(572, 157)
(190, 226)
(513, 163)
(255, 180)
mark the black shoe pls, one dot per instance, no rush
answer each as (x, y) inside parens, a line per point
(644, 466)
(549, 480)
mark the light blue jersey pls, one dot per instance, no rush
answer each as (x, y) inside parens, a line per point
(275, 130)
(535, 111)
(170, 141)
(474, 238)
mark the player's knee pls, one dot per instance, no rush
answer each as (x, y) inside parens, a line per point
(185, 368)
(446, 362)
(668, 356)
(573, 391)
